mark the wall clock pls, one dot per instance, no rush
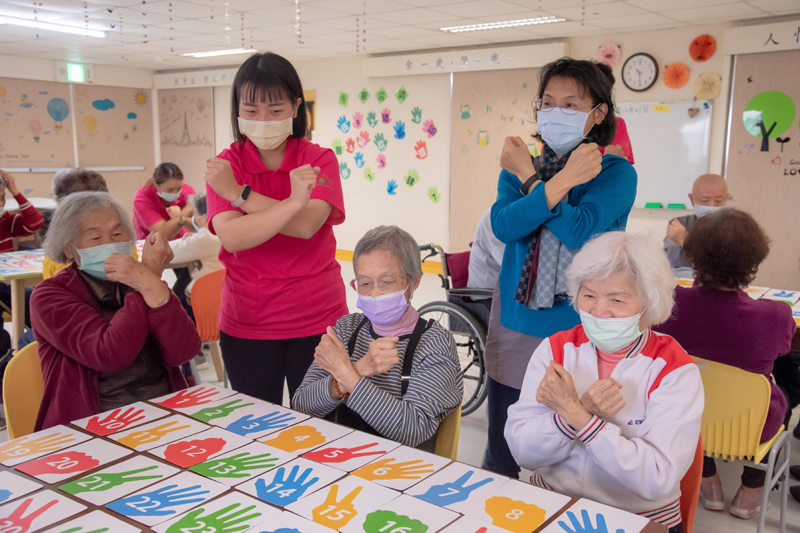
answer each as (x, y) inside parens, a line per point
(640, 72)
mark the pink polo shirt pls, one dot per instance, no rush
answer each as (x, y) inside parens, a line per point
(285, 288)
(148, 209)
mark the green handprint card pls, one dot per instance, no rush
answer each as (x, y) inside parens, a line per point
(406, 514)
(95, 522)
(231, 513)
(244, 463)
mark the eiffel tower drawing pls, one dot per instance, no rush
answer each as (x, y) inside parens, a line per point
(186, 140)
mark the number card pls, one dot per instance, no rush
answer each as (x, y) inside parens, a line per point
(14, 486)
(458, 487)
(796, 314)
(337, 504)
(95, 522)
(468, 524)
(242, 464)
(248, 416)
(352, 451)
(119, 480)
(285, 485)
(586, 515)
(401, 468)
(519, 507)
(36, 511)
(200, 447)
(68, 463)
(167, 499)
(40, 443)
(159, 432)
(289, 523)
(189, 399)
(789, 297)
(116, 420)
(232, 512)
(756, 292)
(402, 515)
(306, 435)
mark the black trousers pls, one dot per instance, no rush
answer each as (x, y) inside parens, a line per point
(259, 367)
(498, 457)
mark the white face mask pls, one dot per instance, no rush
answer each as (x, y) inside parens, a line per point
(611, 334)
(266, 135)
(169, 196)
(702, 210)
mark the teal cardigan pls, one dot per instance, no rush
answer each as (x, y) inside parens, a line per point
(601, 205)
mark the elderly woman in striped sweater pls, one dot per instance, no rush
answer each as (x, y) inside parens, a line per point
(387, 371)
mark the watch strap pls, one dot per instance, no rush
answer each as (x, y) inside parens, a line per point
(527, 185)
(242, 197)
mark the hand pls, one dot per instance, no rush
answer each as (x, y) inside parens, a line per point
(380, 358)
(453, 492)
(677, 233)
(250, 424)
(383, 469)
(11, 184)
(114, 421)
(296, 438)
(513, 515)
(285, 489)
(557, 392)
(603, 398)
(615, 149)
(4, 495)
(340, 455)
(173, 211)
(331, 356)
(210, 413)
(22, 447)
(157, 253)
(586, 527)
(192, 452)
(16, 523)
(219, 176)
(236, 466)
(383, 521)
(104, 481)
(67, 462)
(189, 398)
(137, 438)
(335, 514)
(216, 521)
(584, 164)
(157, 502)
(516, 158)
(128, 271)
(303, 179)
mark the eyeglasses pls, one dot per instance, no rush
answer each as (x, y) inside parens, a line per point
(387, 284)
(569, 108)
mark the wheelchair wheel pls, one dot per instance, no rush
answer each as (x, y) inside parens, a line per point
(470, 337)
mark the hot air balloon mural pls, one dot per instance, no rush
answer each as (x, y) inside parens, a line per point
(58, 109)
(36, 129)
(90, 123)
(201, 104)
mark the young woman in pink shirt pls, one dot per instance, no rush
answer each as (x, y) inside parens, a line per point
(273, 199)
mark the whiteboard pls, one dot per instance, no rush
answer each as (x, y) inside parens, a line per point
(670, 149)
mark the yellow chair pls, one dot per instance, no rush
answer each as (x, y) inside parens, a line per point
(447, 436)
(736, 405)
(23, 387)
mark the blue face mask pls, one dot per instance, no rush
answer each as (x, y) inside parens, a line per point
(561, 131)
(169, 196)
(93, 259)
(196, 228)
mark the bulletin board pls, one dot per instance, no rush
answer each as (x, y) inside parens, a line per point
(35, 124)
(487, 107)
(186, 125)
(763, 171)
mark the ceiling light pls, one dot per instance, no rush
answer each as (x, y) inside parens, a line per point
(505, 24)
(51, 26)
(215, 53)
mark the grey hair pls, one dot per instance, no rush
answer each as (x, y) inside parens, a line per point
(634, 255)
(201, 204)
(68, 217)
(396, 241)
(69, 180)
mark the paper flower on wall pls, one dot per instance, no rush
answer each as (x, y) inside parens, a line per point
(708, 86)
(609, 54)
(676, 75)
(702, 48)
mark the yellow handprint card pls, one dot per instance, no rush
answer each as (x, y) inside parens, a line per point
(519, 507)
(337, 504)
(401, 468)
(306, 436)
(242, 464)
(403, 514)
(160, 432)
(40, 443)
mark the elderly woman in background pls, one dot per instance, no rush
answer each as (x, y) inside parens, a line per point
(110, 331)
(609, 410)
(386, 371)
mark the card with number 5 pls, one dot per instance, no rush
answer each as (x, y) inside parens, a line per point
(352, 451)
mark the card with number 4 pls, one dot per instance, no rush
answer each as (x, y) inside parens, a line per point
(404, 514)
(189, 400)
(159, 432)
(200, 447)
(352, 451)
(401, 468)
(242, 464)
(286, 484)
(95, 522)
(36, 511)
(40, 443)
(306, 435)
(68, 463)
(232, 512)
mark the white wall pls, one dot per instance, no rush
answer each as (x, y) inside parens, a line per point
(45, 70)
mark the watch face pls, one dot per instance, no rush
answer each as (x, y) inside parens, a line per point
(640, 72)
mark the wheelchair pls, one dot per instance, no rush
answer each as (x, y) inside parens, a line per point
(466, 319)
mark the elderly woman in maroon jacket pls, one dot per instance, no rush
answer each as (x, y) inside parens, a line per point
(110, 331)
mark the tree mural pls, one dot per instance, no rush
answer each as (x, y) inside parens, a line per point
(768, 115)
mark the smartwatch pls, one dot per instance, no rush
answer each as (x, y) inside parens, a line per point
(527, 185)
(242, 197)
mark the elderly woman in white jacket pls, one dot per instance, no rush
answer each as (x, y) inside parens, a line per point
(610, 410)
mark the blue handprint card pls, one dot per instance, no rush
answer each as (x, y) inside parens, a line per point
(458, 487)
(254, 418)
(587, 516)
(790, 297)
(289, 482)
(241, 464)
(95, 521)
(287, 522)
(13, 486)
(232, 512)
(167, 499)
(197, 448)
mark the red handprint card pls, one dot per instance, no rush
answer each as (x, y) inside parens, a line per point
(37, 511)
(40, 443)
(352, 451)
(189, 399)
(71, 462)
(197, 448)
(121, 419)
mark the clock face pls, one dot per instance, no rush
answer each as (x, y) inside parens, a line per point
(640, 72)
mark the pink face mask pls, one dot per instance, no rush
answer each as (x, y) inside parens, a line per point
(383, 310)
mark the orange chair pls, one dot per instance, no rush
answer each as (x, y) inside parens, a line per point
(206, 294)
(690, 489)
